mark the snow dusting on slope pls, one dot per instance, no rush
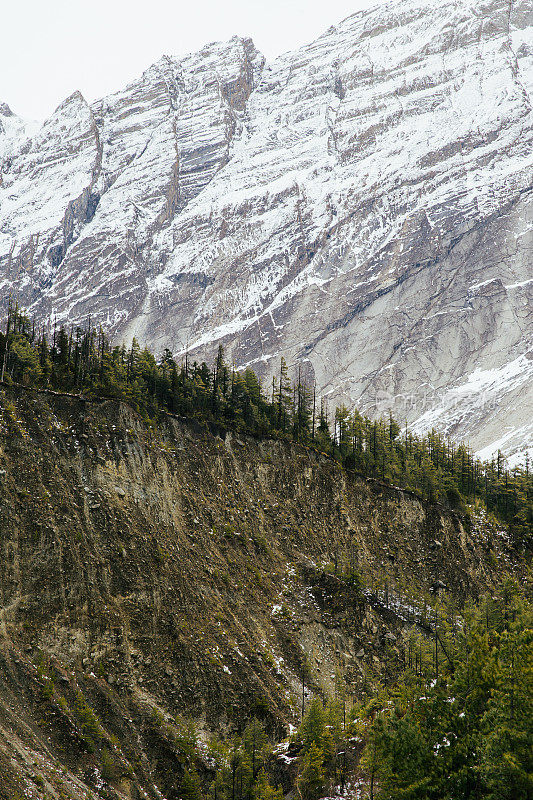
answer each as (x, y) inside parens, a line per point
(361, 205)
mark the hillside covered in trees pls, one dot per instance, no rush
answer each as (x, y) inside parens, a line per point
(83, 361)
(457, 724)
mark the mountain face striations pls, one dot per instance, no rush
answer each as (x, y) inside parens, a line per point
(362, 206)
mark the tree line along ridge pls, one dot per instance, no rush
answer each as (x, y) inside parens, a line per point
(82, 360)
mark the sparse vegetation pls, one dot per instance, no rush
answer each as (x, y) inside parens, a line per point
(83, 361)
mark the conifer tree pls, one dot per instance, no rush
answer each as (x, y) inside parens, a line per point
(312, 780)
(284, 398)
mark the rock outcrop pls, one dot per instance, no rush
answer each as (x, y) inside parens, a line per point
(362, 206)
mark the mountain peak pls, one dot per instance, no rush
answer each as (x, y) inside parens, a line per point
(362, 206)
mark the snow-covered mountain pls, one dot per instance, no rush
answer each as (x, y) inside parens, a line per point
(362, 206)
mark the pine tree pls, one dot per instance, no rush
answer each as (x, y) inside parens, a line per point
(284, 398)
(311, 781)
(263, 789)
(190, 785)
(508, 720)
(313, 730)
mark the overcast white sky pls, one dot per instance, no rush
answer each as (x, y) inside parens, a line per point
(50, 48)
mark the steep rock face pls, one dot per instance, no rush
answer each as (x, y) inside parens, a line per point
(148, 572)
(46, 185)
(362, 206)
(83, 199)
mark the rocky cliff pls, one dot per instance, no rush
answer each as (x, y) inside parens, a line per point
(151, 573)
(361, 206)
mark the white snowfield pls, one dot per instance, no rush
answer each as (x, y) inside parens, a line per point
(362, 206)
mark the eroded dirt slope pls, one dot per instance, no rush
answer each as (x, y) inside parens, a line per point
(148, 572)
